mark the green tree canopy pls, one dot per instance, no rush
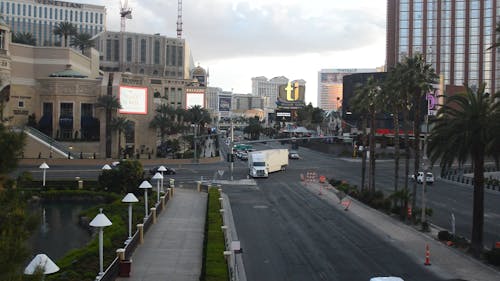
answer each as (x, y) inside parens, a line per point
(25, 38)
(65, 29)
(83, 41)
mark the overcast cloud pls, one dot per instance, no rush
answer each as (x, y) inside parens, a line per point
(240, 39)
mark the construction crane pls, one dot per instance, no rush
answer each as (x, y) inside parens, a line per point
(125, 13)
(179, 19)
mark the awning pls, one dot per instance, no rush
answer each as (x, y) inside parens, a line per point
(66, 122)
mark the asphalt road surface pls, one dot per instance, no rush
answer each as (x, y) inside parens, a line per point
(289, 233)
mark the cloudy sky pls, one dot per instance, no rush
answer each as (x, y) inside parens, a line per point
(240, 39)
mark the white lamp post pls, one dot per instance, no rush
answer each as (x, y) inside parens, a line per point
(106, 167)
(162, 169)
(130, 198)
(100, 221)
(41, 262)
(158, 177)
(44, 167)
(145, 185)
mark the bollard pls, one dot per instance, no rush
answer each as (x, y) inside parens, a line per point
(221, 201)
(169, 193)
(140, 227)
(198, 185)
(224, 228)
(120, 254)
(162, 198)
(153, 212)
(220, 190)
(80, 184)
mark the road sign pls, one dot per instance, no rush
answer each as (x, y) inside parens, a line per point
(228, 141)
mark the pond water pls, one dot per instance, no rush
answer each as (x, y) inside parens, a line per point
(58, 231)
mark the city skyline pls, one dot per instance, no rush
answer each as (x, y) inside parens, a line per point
(240, 39)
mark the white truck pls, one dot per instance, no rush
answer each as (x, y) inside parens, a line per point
(263, 162)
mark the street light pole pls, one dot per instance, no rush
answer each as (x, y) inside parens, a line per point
(424, 178)
(231, 164)
(194, 140)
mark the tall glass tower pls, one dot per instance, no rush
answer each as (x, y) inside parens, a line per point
(453, 35)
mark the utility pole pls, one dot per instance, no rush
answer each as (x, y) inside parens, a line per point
(425, 164)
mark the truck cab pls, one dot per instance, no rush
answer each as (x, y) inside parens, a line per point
(257, 165)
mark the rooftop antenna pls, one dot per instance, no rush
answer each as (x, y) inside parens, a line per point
(125, 13)
(179, 19)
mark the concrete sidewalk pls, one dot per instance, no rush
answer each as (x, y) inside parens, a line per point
(446, 262)
(173, 247)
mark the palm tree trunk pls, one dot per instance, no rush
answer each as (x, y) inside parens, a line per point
(407, 148)
(108, 133)
(416, 130)
(478, 209)
(119, 144)
(396, 149)
(371, 184)
(363, 153)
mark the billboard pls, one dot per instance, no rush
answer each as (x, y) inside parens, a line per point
(133, 100)
(291, 96)
(224, 103)
(195, 96)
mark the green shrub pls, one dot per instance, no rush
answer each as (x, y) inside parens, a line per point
(444, 235)
(124, 179)
(214, 264)
(493, 256)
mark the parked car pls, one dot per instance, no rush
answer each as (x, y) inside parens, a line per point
(429, 178)
(244, 156)
(293, 155)
(169, 171)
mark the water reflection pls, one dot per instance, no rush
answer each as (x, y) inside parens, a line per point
(58, 231)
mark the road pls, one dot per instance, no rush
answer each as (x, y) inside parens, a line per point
(444, 197)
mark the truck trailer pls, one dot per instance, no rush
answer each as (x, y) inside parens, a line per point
(263, 162)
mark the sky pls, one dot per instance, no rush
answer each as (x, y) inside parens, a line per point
(240, 39)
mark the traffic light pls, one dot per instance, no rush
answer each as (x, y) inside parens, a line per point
(230, 157)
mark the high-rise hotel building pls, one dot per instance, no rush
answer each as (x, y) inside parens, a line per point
(453, 35)
(39, 17)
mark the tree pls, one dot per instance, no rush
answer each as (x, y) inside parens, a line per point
(198, 115)
(497, 43)
(467, 127)
(417, 79)
(254, 128)
(109, 104)
(4, 98)
(119, 124)
(64, 30)
(25, 38)
(359, 105)
(83, 41)
(11, 146)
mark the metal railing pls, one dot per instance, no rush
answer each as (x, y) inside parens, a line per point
(113, 270)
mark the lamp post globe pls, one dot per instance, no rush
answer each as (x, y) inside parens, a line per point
(145, 185)
(130, 199)
(157, 177)
(162, 169)
(100, 222)
(44, 168)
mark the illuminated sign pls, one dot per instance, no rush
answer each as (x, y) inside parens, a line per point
(291, 96)
(134, 100)
(194, 97)
(59, 3)
(224, 103)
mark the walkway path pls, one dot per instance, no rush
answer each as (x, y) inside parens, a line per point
(173, 247)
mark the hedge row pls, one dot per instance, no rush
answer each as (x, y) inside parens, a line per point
(214, 263)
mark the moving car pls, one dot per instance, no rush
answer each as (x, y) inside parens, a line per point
(429, 178)
(293, 155)
(169, 171)
(386, 279)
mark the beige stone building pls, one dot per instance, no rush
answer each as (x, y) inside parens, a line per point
(56, 90)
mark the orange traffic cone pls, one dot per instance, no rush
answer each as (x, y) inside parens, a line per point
(427, 255)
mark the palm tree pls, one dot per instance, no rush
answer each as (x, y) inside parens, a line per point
(4, 97)
(359, 105)
(163, 120)
(497, 43)
(65, 29)
(466, 128)
(119, 124)
(109, 104)
(417, 79)
(373, 100)
(25, 38)
(83, 41)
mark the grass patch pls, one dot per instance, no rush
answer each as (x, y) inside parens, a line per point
(214, 264)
